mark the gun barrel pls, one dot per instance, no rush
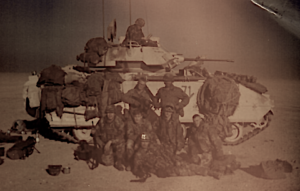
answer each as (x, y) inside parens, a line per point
(216, 60)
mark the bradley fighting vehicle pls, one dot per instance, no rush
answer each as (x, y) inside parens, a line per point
(250, 117)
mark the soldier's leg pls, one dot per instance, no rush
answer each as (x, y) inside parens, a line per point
(107, 156)
(129, 154)
(98, 142)
(206, 159)
(216, 143)
(198, 169)
(119, 150)
(193, 152)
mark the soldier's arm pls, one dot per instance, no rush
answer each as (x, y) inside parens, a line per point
(152, 97)
(137, 163)
(128, 98)
(130, 33)
(184, 98)
(98, 136)
(214, 138)
(180, 139)
(129, 131)
(99, 129)
(155, 126)
(121, 130)
(156, 99)
(152, 133)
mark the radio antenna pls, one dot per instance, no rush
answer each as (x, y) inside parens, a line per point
(103, 17)
(129, 12)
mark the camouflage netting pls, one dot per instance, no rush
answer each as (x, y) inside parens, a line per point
(217, 99)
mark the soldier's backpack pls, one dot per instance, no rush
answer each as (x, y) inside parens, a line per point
(21, 149)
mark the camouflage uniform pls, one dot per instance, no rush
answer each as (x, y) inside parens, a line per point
(157, 160)
(149, 160)
(106, 131)
(170, 133)
(204, 140)
(133, 132)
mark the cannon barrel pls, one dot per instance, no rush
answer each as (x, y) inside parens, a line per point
(204, 59)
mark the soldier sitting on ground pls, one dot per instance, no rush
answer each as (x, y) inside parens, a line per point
(203, 140)
(169, 130)
(110, 133)
(205, 148)
(151, 158)
(133, 130)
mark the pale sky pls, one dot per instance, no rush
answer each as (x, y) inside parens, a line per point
(36, 34)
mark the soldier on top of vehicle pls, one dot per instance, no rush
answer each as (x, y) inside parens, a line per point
(134, 33)
(110, 130)
(171, 94)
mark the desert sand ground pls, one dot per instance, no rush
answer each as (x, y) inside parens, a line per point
(281, 140)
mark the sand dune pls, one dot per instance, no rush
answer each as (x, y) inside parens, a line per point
(281, 140)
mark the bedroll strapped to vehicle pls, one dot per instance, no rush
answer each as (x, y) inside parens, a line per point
(219, 95)
(217, 99)
(52, 75)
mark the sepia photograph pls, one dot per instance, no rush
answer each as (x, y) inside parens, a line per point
(154, 95)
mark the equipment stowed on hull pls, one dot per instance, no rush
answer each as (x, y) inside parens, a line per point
(251, 116)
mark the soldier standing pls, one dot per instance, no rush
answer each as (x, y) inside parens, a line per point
(171, 94)
(110, 130)
(169, 130)
(140, 98)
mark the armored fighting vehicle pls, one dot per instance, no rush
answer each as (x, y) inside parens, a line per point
(251, 116)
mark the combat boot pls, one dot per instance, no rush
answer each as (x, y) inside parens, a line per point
(6, 138)
(216, 174)
(118, 165)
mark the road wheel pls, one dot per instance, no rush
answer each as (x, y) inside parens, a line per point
(237, 133)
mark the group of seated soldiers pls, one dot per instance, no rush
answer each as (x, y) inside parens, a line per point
(144, 144)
